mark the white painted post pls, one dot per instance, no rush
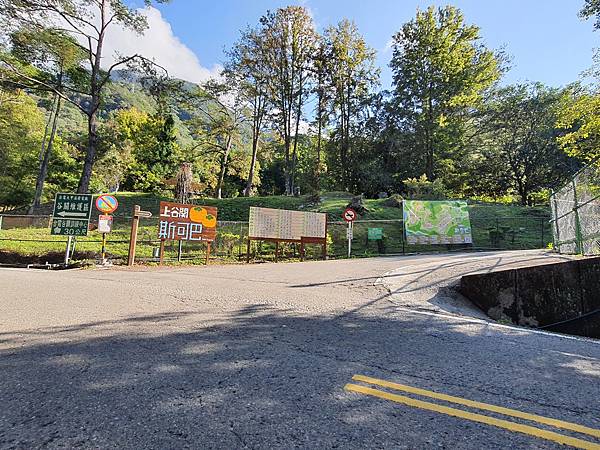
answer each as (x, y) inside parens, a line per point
(68, 249)
(349, 235)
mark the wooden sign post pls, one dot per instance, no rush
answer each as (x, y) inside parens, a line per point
(135, 220)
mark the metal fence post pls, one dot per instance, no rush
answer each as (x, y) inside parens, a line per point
(578, 238)
(496, 242)
(240, 241)
(555, 237)
(543, 241)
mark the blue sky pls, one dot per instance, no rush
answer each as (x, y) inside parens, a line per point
(546, 39)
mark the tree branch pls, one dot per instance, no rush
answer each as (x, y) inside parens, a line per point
(47, 87)
(114, 66)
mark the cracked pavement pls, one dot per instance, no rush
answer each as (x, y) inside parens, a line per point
(257, 356)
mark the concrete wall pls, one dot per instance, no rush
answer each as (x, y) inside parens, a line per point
(539, 296)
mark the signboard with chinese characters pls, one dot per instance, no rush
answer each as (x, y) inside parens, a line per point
(181, 222)
(71, 215)
(286, 225)
(349, 233)
(105, 223)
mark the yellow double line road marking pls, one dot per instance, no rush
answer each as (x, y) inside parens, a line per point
(485, 406)
(500, 423)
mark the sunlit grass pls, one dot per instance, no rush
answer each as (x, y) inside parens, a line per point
(514, 227)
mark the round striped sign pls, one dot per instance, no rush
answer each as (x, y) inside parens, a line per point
(106, 203)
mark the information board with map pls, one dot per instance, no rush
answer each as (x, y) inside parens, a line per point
(437, 222)
(286, 225)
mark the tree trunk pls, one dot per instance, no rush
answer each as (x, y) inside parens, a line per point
(90, 155)
(286, 168)
(293, 173)
(37, 195)
(523, 191)
(95, 88)
(248, 189)
(429, 137)
(344, 162)
(319, 137)
(287, 171)
(257, 118)
(295, 150)
(524, 197)
(429, 162)
(223, 170)
(348, 149)
(43, 170)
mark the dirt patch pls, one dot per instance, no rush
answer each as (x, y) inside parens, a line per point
(50, 257)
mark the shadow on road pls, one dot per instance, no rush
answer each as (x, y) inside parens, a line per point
(262, 377)
(499, 264)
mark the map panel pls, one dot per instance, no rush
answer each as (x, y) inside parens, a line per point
(437, 222)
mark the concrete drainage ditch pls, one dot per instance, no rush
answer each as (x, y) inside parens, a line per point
(562, 297)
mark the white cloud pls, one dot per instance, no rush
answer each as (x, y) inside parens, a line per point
(389, 45)
(159, 44)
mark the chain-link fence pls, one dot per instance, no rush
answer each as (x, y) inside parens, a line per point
(371, 238)
(576, 213)
(500, 233)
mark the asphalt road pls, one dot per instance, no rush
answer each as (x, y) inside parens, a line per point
(259, 356)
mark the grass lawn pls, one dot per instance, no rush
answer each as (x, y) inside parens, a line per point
(494, 226)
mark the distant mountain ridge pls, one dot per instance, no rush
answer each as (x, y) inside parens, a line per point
(124, 91)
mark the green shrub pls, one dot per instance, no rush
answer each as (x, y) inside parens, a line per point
(423, 189)
(394, 201)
